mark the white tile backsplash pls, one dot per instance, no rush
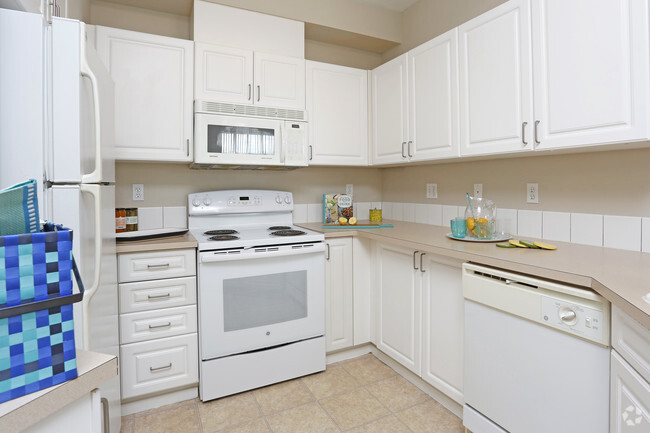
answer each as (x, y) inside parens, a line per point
(556, 226)
(314, 212)
(175, 217)
(150, 218)
(362, 211)
(436, 214)
(397, 211)
(529, 223)
(422, 213)
(587, 229)
(409, 212)
(300, 213)
(448, 213)
(622, 232)
(506, 221)
(375, 205)
(645, 235)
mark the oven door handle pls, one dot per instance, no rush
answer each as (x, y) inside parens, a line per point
(251, 254)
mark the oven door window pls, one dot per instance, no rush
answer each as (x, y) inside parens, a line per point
(241, 140)
(261, 300)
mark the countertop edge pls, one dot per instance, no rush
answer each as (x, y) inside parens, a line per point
(93, 370)
(159, 244)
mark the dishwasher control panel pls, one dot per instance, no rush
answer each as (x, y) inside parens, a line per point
(574, 318)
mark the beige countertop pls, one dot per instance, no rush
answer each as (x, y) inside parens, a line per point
(165, 243)
(93, 370)
(622, 277)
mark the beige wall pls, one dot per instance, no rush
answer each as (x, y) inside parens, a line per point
(427, 19)
(140, 20)
(78, 9)
(609, 182)
(338, 55)
(169, 184)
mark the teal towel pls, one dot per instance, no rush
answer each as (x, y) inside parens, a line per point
(19, 209)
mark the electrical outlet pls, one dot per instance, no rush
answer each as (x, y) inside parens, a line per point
(138, 192)
(532, 193)
(349, 189)
(432, 190)
(478, 190)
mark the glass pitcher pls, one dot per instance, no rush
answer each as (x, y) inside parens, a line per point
(481, 218)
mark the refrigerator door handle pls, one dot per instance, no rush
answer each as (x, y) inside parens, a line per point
(96, 175)
(92, 289)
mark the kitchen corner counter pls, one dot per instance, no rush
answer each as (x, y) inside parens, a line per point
(93, 370)
(620, 276)
(165, 243)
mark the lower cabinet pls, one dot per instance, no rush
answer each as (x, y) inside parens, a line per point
(339, 318)
(629, 376)
(420, 314)
(158, 322)
(443, 314)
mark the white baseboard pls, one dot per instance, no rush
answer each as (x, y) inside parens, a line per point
(345, 354)
(136, 406)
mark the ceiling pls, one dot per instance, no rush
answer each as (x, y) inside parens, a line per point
(184, 7)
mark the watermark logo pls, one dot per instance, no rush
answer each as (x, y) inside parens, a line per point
(632, 416)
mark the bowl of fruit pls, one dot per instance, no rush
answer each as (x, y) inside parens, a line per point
(480, 216)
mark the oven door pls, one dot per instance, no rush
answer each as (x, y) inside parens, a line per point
(260, 297)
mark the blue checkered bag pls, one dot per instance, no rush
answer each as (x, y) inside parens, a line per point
(37, 347)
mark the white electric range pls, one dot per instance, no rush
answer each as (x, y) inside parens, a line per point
(261, 291)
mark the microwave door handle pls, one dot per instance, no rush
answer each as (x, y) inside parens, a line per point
(96, 175)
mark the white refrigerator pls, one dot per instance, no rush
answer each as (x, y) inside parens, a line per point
(56, 126)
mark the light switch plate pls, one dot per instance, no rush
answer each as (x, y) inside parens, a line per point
(432, 190)
(478, 190)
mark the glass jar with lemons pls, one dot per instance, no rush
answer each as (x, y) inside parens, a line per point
(480, 216)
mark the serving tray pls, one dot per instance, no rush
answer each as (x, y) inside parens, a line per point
(497, 237)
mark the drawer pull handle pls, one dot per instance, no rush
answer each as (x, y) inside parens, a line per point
(166, 295)
(164, 265)
(164, 367)
(166, 325)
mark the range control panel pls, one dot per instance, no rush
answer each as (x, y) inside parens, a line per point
(239, 201)
(573, 317)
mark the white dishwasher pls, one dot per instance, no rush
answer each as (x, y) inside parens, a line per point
(536, 355)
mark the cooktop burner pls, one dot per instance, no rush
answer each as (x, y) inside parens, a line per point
(288, 233)
(280, 228)
(224, 237)
(221, 232)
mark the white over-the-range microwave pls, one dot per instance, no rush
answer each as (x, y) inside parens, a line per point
(227, 135)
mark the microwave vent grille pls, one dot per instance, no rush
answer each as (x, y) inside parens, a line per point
(248, 110)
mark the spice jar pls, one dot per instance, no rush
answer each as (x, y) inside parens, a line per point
(120, 220)
(132, 219)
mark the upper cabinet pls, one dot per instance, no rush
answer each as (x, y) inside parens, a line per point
(591, 71)
(241, 76)
(415, 104)
(586, 61)
(153, 94)
(495, 81)
(337, 104)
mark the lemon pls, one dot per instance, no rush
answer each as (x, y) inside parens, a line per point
(483, 220)
(343, 221)
(544, 246)
(352, 221)
(517, 243)
(470, 223)
(506, 245)
(529, 244)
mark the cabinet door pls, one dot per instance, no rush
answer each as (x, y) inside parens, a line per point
(279, 81)
(495, 81)
(433, 87)
(398, 309)
(339, 325)
(390, 111)
(153, 94)
(629, 398)
(443, 312)
(337, 103)
(590, 71)
(223, 74)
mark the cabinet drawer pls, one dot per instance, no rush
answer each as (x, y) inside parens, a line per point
(629, 399)
(156, 265)
(632, 341)
(159, 365)
(153, 295)
(149, 325)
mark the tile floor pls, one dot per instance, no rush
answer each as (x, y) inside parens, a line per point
(361, 395)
